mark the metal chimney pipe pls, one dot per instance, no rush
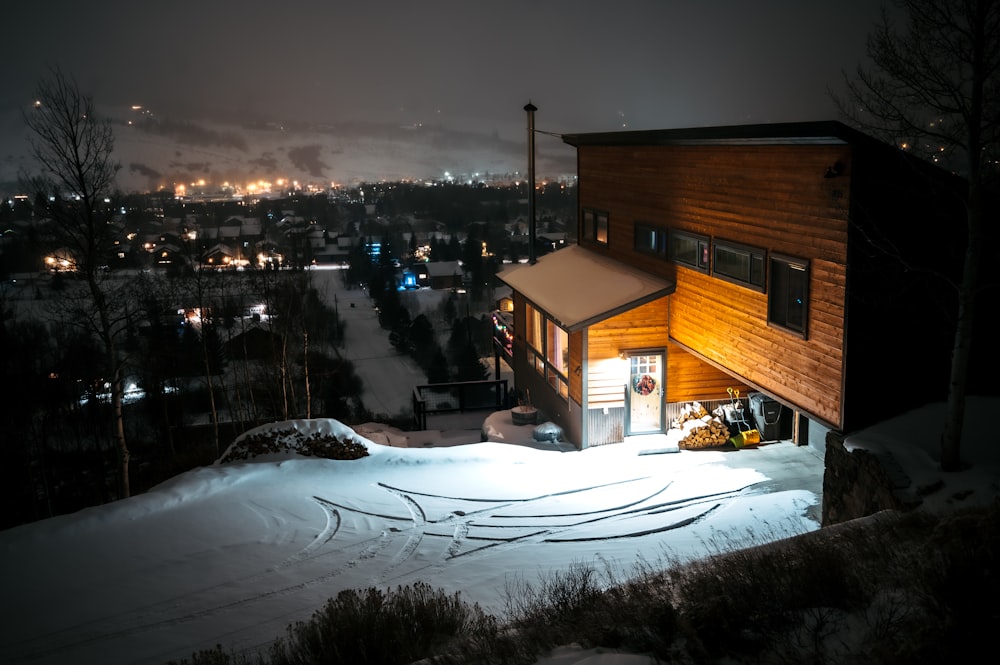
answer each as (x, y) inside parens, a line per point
(530, 108)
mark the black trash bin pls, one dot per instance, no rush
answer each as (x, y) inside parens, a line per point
(774, 421)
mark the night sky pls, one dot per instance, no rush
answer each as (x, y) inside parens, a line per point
(331, 91)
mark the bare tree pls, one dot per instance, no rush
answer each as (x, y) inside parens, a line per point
(73, 149)
(934, 89)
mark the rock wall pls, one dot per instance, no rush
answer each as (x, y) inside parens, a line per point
(859, 483)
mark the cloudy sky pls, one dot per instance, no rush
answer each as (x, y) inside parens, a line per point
(336, 91)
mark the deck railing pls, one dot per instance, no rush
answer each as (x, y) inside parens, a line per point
(458, 397)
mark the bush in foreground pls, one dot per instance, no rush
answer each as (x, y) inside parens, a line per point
(894, 588)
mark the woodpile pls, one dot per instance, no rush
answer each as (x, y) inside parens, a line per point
(700, 429)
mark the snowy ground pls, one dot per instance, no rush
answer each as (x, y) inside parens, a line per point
(232, 553)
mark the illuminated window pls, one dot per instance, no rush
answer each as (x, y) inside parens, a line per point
(788, 294)
(533, 332)
(650, 239)
(738, 263)
(548, 349)
(689, 249)
(556, 347)
(595, 226)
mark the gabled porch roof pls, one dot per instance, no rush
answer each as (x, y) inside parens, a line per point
(579, 288)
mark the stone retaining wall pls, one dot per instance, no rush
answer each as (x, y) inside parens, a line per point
(858, 483)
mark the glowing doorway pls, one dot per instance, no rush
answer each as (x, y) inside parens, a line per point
(644, 394)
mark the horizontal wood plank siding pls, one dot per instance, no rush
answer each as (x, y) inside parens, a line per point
(644, 327)
(690, 379)
(773, 197)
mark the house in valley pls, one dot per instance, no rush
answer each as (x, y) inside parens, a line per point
(801, 262)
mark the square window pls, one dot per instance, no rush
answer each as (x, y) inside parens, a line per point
(788, 296)
(650, 239)
(595, 226)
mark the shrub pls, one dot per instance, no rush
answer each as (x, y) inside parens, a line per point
(896, 588)
(326, 446)
(371, 626)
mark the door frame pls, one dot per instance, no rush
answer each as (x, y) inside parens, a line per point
(661, 389)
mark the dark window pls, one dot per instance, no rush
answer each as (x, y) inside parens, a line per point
(688, 249)
(650, 239)
(788, 294)
(739, 263)
(595, 226)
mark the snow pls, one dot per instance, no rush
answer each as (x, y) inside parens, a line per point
(909, 445)
(231, 554)
(577, 286)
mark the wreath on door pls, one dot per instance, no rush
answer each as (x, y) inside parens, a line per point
(643, 384)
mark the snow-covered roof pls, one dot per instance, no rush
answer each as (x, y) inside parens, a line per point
(443, 268)
(579, 288)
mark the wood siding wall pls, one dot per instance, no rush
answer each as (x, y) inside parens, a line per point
(773, 197)
(691, 379)
(644, 327)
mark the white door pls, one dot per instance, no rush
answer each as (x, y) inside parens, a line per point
(644, 394)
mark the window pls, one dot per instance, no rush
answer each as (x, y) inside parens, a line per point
(533, 332)
(788, 295)
(595, 226)
(650, 239)
(689, 249)
(548, 350)
(739, 263)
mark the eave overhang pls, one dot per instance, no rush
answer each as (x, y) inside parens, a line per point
(578, 288)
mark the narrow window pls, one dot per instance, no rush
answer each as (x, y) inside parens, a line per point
(533, 329)
(788, 296)
(739, 263)
(689, 249)
(589, 230)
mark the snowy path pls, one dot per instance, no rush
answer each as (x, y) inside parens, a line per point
(389, 376)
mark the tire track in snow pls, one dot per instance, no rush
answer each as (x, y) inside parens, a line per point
(154, 616)
(415, 526)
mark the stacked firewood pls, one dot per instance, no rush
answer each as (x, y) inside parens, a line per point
(700, 429)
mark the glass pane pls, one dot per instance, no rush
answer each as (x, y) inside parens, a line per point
(557, 347)
(732, 263)
(602, 228)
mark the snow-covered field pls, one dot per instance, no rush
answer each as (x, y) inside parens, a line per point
(231, 554)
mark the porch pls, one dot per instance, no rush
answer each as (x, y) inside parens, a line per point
(463, 402)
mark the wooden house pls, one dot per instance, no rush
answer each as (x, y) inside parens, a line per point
(219, 257)
(444, 274)
(797, 261)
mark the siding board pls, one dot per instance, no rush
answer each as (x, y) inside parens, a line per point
(769, 196)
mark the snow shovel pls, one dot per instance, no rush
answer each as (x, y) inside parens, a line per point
(747, 435)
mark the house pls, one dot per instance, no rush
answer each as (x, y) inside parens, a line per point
(254, 343)
(444, 274)
(778, 260)
(503, 299)
(219, 257)
(169, 255)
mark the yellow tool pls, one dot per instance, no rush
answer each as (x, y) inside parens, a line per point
(747, 435)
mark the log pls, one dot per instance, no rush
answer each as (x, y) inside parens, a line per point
(700, 428)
